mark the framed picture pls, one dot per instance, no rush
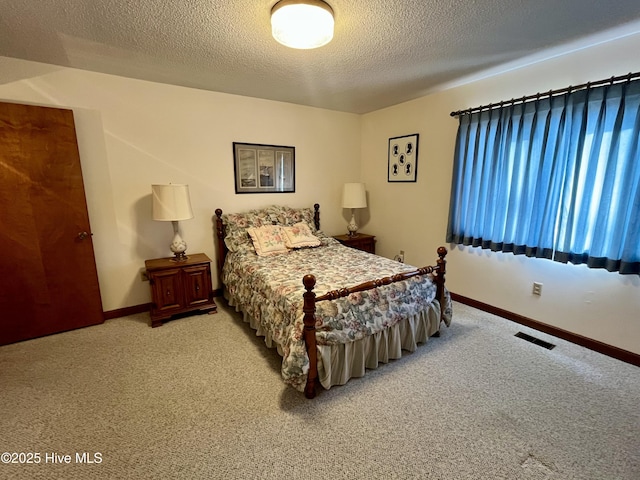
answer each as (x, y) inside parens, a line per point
(403, 158)
(264, 168)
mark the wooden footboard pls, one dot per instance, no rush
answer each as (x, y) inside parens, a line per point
(310, 300)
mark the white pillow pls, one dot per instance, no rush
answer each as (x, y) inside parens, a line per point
(268, 240)
(299, 235)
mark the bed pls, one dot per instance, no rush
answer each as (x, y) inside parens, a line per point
(331, 311)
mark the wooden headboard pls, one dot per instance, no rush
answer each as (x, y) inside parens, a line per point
(221, 247)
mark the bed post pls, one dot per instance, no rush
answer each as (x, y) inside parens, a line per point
(221, 253)
(316, 215)
(309, 333)
(442, 269)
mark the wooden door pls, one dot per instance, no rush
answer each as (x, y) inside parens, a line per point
(48, 278)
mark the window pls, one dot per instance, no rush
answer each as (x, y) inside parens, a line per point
(555, 178)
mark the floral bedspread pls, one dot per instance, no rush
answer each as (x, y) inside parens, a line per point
(270, 289)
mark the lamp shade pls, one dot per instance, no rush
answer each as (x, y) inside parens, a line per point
(354, 195)
(302, 24)
(171, 202)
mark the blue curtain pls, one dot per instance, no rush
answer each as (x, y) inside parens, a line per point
(555, 178)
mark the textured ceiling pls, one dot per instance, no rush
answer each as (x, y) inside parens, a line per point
(384, 52)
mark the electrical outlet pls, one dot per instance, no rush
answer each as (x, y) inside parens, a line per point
(143, 276)
(537, 288)
(399, 257)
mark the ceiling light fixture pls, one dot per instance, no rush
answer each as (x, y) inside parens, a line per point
(302, 24)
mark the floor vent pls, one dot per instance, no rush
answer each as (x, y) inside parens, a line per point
(535, 340)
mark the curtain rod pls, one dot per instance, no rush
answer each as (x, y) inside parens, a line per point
(571, 88)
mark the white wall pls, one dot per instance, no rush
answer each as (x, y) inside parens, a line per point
(413, 217)
(132, 134)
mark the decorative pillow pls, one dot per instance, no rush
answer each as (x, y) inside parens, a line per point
(299, 235)
(268, 240)
(236, 224)
(237, 238)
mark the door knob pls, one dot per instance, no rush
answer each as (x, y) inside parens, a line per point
(83, 235)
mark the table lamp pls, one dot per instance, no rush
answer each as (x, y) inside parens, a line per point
(171, 203)
(354, 196)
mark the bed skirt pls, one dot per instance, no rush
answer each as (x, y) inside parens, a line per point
(338, 363)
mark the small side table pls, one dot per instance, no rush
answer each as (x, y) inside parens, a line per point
(179, 287)
(361, 241)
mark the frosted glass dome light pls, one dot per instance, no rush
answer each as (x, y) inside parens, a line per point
(302, 24)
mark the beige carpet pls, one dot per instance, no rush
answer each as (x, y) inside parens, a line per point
(201, 397)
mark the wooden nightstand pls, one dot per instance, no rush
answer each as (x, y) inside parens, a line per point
(179, 287)
(361, 241)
